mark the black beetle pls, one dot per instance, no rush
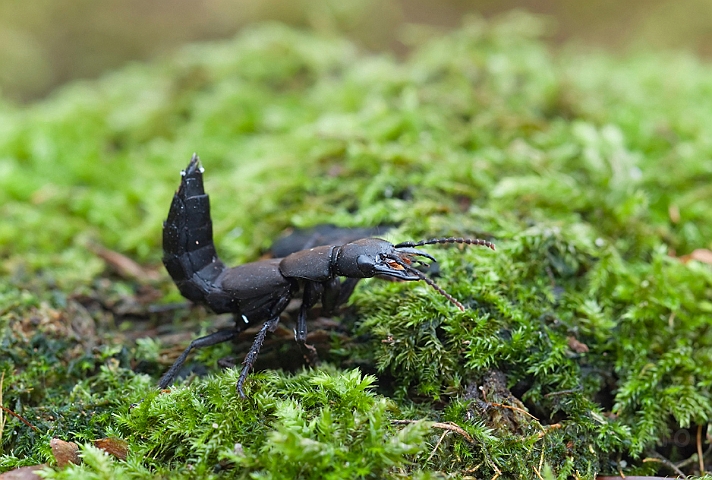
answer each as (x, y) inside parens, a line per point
(259, 291)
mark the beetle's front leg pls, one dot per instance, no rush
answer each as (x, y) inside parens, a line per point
(336, 292)
(312, 292)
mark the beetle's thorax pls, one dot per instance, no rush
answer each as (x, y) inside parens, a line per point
(313, 264)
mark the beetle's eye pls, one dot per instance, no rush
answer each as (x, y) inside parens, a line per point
(366, 264)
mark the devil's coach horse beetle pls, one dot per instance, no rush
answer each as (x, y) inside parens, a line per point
(259, 291)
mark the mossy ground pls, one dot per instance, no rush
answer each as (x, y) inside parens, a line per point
(592, 174)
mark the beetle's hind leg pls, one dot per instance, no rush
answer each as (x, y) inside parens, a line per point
(249, 361)
(213, 339)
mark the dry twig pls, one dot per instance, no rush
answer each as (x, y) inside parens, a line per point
(7, 410)
(452, 427)
(563, 392)
(694, 458)
(656, 457)
(435, 448)
(516, 409)
(19, 417)
(547, 428)
(445, 426)
(699, 449)
(2, 417)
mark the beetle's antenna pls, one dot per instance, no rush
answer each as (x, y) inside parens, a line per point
(421, 276)
(468, 241)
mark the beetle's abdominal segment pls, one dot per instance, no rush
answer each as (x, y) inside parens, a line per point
(435, 286)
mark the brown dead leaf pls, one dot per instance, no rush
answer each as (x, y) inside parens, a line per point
(674, 213)
(701, 255)
(113, 446)
(23, 473)
(65, 452)
(123, 265)
(576, 346)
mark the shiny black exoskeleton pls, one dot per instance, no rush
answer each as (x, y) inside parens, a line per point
(258, 292)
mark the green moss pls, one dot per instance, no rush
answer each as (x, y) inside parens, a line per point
(591, 173)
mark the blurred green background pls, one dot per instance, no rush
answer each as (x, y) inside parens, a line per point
(45, 43)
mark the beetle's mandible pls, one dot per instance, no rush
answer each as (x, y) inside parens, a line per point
(258, 292)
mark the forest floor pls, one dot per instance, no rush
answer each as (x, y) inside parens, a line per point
(585, 348)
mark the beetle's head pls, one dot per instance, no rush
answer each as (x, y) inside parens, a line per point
(369, 257)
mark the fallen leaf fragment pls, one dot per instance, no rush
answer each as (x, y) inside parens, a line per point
(23, 473)
(701, 255)
(113, 446)
(674, 213)
(123, 265)
(576, 346)
(65, 452)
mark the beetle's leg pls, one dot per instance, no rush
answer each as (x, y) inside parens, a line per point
(330, 297)
(347, 288)
(269, 326)
(336, 292)
(213, 339)
(249, 361)
(312, 292)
